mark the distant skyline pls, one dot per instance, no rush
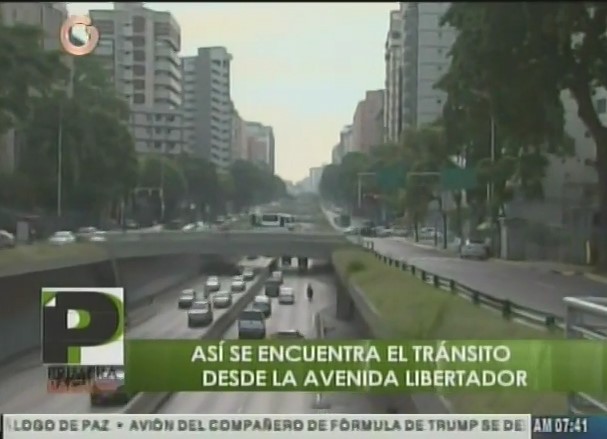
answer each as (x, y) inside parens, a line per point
(299, 67)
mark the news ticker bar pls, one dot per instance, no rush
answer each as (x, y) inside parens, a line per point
(326, 426)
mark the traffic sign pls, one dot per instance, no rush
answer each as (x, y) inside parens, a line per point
(458, 179)
(392, 178)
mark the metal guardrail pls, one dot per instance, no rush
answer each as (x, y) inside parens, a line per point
(577, 327)
(573, 325)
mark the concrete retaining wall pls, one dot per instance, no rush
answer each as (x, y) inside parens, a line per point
(142, 278)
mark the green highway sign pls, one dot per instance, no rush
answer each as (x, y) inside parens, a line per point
(458, 179)
(392, 178)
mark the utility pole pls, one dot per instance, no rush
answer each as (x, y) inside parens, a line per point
(361, 175)
(60, 162)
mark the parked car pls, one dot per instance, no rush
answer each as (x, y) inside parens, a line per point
(475, 248)
(7, 239)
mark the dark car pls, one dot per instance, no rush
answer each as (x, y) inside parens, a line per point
(290, 334)
(251, 325)
(263, 304)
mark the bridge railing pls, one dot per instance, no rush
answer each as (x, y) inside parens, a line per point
(586, 318)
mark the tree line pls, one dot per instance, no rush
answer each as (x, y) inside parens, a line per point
(511, 65)
(100, 168)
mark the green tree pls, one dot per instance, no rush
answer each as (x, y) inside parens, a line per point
(90, 132)
(511, 62)
(28, 73)
(157, 171)
(254, 185)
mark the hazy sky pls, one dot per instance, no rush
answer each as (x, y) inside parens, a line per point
(300, 67)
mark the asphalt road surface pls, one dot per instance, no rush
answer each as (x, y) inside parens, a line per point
(23, 384)
(526, 286)
(298, 316)
(537, 289)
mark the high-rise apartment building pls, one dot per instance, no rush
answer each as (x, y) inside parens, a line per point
(337, 154)
(260, 145)
(239, 137)
(426, 59)
(49, 16)
(368, 123)
(140, 48)
(394, 74)
(345, 139)
(209, 108)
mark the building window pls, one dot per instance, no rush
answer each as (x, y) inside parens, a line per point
(138, 41)
(601, 105)
(139, 98)
(139, 84)
(139, 55)
(139, 24)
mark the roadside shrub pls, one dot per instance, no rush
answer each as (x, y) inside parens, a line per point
(355, 267)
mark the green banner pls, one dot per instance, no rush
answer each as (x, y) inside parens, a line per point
(370, 366)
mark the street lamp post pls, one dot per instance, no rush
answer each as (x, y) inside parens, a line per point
(60, 162)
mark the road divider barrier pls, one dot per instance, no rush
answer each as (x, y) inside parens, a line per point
(151, 402)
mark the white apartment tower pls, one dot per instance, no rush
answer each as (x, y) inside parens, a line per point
(208, 107)
(393, 83)
(425, 60)
(140, 48)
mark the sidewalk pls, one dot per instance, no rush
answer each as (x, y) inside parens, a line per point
(558, 268)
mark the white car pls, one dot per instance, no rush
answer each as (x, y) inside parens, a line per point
(286, 296)
(474, 249)
(248, 274)
(7, 239)
(198, 226)
(98, 236)
(213, 284)
(238, 284)
(352, 230)
(62, 237)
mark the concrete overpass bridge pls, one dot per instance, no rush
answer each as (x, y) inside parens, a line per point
(270, 243)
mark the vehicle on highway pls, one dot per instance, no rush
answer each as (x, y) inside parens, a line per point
(286, 296)
(288, 334)
(198, 226)
(238, 284)
(271, 287)
(368, 229)
(98, 236)
(263, 304)
(212, 284)
(273, 220)
(277, 276)
(186, 298)
(248, 274)
(110, 389)
(62, 237)
(222, 299)
(251, 324)
(7, 239)
(383, 232)
(352, 230)
(474, 248)
(85, 233)
(200, 314)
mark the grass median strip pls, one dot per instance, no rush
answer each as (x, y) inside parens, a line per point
(416, 310)
(35, 253)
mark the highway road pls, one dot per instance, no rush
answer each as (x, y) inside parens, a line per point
(23, 385)
(525, 286)
(298, 316)
(530, 287)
